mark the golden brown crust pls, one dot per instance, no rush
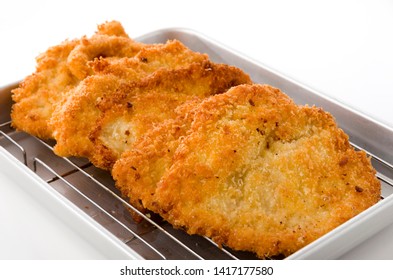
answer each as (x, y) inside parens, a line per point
(143, 166)
(99, 46)
(173, 54)
(76, 118)
(111, 28)
(248, 168)
(131, 112)
(35, 96)
(58, 71)
(258, 173)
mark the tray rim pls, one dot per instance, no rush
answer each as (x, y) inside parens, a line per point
(338, 235)
(78, 221)
(313, 249)
(193, 32)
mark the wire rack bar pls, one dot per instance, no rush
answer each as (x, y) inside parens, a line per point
(37, 160)
(145, 217)
(5, 123)
(23, 151)
(384, 162)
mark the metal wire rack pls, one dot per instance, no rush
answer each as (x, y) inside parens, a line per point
(93, 191)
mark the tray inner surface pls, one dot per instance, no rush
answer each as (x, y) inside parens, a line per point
(93, 191)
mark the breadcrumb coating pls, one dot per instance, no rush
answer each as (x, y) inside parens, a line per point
(254, 172)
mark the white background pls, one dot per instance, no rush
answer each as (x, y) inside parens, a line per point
(343, 49)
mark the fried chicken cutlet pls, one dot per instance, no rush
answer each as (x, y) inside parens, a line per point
(139, 170)
(254, 172)
(76, 119)
(134, 109)
(60, 69)
(150, 157)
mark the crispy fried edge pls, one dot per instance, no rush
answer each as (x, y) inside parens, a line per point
(137, 167)
(220, 78)
(37, 87)
(168, 195)
(85, 94)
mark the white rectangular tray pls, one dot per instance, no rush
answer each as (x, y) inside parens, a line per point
(365, 133)
(71, 225)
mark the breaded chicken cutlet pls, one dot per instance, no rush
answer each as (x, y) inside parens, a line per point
(151, 155)
(126, 111)
(60, 69)
(74, 121)
(252, 170)
(150, 158)
(196, 142)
